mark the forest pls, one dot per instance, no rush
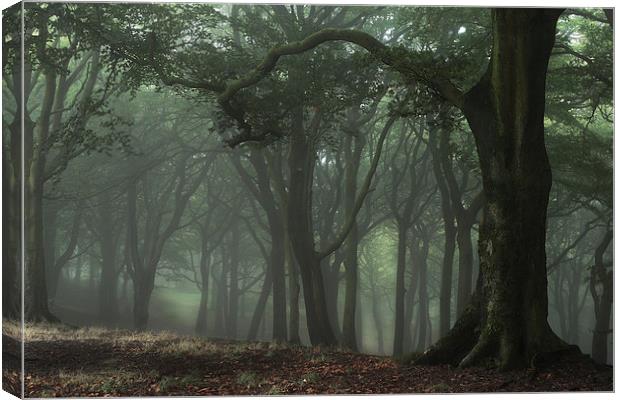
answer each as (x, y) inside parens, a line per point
(204, 199)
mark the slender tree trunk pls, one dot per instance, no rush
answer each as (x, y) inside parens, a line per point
(108, 303)
(410, 296)
(376, 315)
(559, 301)
(438, 140)
(424, 314)
(399, 321)
(331, 278)
(293, 284)
(277, 260)
(11, 206)
(142, 291)
(36, 306)
(205, 271)
(445, 291)
(466, 264)
(352, 156)
(50, 218)
(222, 301)
(301, 234)
(601, 288)
(574, 306)
(277, 230)
(35, 296)
(259, 310)
(233, 288)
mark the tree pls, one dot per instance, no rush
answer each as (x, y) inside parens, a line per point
(61, 69)
(505, 107)
(505, 110)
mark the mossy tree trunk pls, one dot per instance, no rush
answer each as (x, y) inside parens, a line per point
(505, 111)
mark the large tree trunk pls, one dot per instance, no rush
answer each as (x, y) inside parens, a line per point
(505, 111)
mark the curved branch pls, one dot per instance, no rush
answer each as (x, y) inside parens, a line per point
(443, 86)
(362, 194)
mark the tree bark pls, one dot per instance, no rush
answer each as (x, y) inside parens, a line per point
(293, 284)
(466, 264)
(601, 288)
(411, 294)
(205, 271)
(108, 302)
(505, 111)
(423, 314)
(233, 287)
(399, 320)
(301, 234)
(353, 151)
(439, 146)
(261, 303)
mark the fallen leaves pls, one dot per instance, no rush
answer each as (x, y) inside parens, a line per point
(117, 365)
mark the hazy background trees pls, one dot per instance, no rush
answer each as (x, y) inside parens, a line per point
(354, 220)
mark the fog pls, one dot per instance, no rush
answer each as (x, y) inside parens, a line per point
(329, 200)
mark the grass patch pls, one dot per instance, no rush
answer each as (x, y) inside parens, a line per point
(166, 383)
(275, 390)
(441, 387)
(319, 358)
(310, 377)
(247, 379)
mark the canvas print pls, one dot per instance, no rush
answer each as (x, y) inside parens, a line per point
(208, 199)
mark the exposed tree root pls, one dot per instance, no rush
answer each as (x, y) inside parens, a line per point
(467, 344)
(458, 342)
(483, 348)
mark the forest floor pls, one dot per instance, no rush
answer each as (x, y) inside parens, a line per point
(67, 362)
